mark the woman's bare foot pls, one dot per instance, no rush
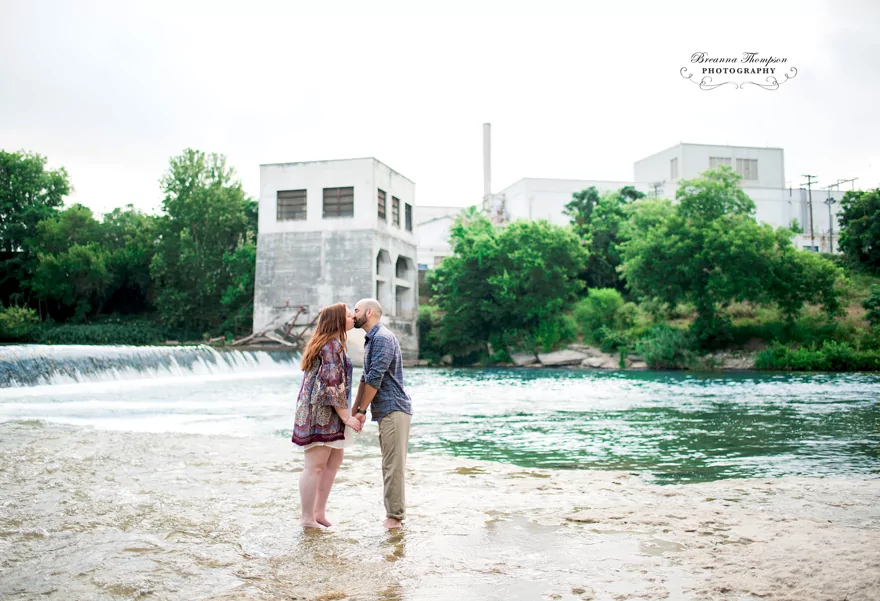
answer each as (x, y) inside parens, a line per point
(324, 521)
(392, 523)
(308, 524)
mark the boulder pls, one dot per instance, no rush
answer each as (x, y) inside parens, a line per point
(446, 360)
(589, 351)
(594, 362)
(566, 357)
(610, 363)
(639, 365)
(522, 359)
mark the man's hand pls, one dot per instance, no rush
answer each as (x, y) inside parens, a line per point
(354, 423)
(361, 417)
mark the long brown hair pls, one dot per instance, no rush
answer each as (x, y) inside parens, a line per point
(331, 324)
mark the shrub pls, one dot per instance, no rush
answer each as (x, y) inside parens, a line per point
(597, 310)
(554, 332)
(872, 306)
(17, 323)
(430, 347)
(831, 356)
(667, 348)
(131, 333)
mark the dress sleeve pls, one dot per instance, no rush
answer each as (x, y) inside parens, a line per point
(332, 377)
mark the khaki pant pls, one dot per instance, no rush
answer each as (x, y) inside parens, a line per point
(394, 442)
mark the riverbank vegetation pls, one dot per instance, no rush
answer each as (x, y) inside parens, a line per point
(67, 277)
(669, 281)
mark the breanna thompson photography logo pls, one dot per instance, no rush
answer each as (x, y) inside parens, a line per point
(750, 64)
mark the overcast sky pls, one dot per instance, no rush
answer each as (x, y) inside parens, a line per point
(111, 90)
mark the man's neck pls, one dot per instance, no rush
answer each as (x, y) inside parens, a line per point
(368, 327)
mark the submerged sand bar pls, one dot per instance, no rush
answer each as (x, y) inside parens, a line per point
(90, 514)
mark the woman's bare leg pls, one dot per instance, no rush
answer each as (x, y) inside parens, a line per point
(313, 470)
(324, 485)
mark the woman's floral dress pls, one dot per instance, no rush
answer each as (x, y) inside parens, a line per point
(325, 386)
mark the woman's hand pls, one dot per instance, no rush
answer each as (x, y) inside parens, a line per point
(354, 423)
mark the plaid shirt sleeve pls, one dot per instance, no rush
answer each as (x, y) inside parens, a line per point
(381, 354)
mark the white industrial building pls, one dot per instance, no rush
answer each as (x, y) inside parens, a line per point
(762, 169)
(337, 231)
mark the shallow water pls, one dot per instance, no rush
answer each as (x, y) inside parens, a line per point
(671, 427)
(183, 485)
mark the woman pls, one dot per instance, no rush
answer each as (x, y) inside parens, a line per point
(324, 425)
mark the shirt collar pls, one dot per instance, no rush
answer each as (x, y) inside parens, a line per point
(373, 331)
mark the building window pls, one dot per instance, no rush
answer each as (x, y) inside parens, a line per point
(339, 202)
(291, 205)
(407, 212)
(673, 168)
(395, 211)
(714, 162)
(747, 168)
(383, 206)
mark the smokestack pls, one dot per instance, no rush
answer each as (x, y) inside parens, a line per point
(487, 161)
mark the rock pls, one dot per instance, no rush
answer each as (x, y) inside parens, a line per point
(446, 360)
(639, 365)
(589, 351)
(610, 363)
(635, 358)
(522, 359)
(593, 362)
(566, 357)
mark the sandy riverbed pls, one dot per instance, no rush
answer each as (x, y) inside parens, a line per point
(88, 514)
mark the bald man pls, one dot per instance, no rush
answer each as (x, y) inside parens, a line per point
(381, 389)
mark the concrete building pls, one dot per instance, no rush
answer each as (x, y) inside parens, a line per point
(337, 231)
(763, 171)
(432, 228)
(543, 198)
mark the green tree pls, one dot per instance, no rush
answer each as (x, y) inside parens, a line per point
(580, 210)
(130, 237)
(505, 284)
(605, 234)
(29, 193)
(76, 279)
(860, 228)
(708, 250)
(205, 222)
(71, 272)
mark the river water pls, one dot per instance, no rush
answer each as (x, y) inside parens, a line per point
(168, 473)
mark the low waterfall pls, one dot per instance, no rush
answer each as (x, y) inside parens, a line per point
(40, 365)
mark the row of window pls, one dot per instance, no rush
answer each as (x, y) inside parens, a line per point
(338, 202)
(382, 202)
(747, 168)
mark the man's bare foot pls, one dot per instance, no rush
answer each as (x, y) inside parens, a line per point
(308, 524)
(324, 521)
(391, 523)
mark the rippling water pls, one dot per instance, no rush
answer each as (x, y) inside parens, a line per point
(673, 427)
(188, 488)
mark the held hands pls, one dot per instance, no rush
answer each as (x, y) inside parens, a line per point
(355, 423)
(361, 417)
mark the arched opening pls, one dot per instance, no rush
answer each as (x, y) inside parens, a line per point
(405, 288)
(384, 279)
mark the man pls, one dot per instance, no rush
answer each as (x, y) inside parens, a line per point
(381, 389)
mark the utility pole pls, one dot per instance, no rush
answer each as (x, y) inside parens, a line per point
(810, 182)
(830, 201)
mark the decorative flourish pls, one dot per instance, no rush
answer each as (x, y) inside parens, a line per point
(706, 82)
(772, 82)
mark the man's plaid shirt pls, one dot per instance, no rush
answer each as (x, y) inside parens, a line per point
(383, 370)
